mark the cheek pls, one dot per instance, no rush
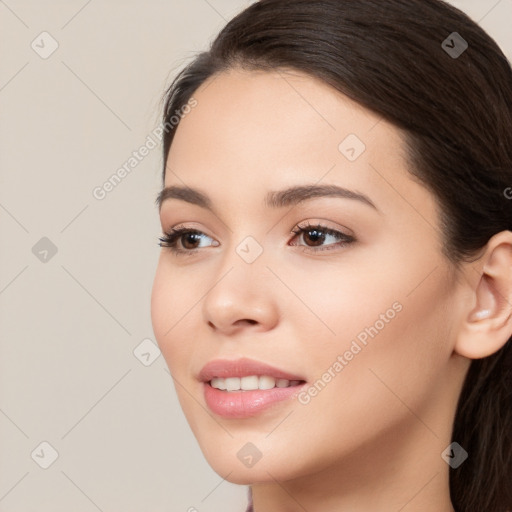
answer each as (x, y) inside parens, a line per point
(172, 315)
(395, 299)
(161, 304)
(170, 303)
(338, 303)
(389, 350)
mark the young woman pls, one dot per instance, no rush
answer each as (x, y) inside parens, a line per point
(334, 291)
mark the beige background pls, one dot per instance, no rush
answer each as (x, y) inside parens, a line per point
(70, 323)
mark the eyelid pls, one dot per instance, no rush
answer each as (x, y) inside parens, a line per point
(326, 225)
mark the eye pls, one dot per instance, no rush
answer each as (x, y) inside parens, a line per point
(188, 237)
(318, 234)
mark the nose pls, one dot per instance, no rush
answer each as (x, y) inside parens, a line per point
(242, 296)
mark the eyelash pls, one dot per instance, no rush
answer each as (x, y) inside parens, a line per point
(170, 240)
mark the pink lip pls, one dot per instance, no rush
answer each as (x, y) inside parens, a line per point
(243, 404)
(243, 367)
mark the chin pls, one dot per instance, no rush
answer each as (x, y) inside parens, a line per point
(249, 476)
(232, 461)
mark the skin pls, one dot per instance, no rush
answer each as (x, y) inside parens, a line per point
(372, 438)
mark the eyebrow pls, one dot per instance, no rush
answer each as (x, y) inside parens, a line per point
(274, 199)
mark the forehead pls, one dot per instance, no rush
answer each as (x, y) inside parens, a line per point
(279, 113)
(255, 131)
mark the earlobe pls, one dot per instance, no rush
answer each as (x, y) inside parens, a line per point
(487, 326)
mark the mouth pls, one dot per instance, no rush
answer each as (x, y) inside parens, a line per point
(244, 387)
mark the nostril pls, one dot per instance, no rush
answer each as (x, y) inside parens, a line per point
(246, 320)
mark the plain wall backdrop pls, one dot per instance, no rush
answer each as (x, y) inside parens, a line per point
(83, 390)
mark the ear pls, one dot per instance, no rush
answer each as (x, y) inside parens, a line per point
(487, 322)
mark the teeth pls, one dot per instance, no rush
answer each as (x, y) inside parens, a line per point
(266, 382)
(251, 382)
(248, 383)
(232, 383)
(218, 383)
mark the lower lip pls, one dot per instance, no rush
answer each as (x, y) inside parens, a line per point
(244, 404)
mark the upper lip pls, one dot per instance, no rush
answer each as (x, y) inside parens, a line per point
(223, 368)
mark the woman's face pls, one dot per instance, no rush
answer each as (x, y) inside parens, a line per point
(362, 315)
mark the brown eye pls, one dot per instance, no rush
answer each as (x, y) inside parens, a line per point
(189, 239)
(316, 236)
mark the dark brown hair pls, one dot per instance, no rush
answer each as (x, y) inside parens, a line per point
(456, 115)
